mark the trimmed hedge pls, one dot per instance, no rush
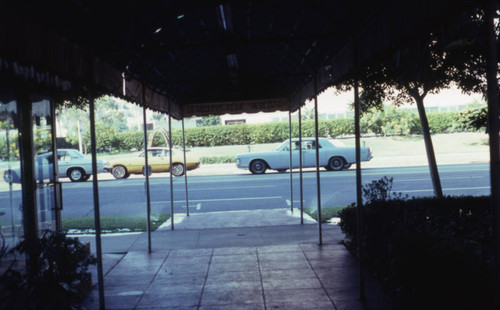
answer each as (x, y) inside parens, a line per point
(390, 121)
(433, 253)
(443, 122)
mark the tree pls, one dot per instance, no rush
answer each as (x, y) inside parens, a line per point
(308, 113)
(75, 118)
(407, 76)
(209, 121)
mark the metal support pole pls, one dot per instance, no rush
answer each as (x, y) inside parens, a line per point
(359, 198)
(30, 218)
(185, 168)
(170, 167)
(318, 179)
(494, 127)
(13, 223)
(97, 212)
(146, 174)
(291, 164)
(300, 167)
(57, 197)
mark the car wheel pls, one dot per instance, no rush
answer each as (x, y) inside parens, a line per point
(87, 176)
(336, 163)
(9, 176)
(120, 172)
(258, 166)
(282, 170)
(76, 175)
(347, 165)
(177, 169)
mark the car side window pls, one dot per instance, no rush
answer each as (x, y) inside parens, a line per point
(309, 145)
(63, 156)
(295, 146)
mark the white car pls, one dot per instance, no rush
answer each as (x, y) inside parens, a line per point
(333, 155)
(72, 164)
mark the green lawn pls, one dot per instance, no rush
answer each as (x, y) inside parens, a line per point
(115, 223)
(326, 212)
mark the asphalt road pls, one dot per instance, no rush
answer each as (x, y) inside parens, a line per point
(249, 192)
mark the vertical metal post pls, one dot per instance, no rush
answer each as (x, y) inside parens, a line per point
(300, 167)
(291, 164)
(318, 179)
(57, 197)
(494, 126)
(170, 167)
(30, 219)
(146, 173)
(359, 198)
(10, 184)
(97, 212)
(185, 167)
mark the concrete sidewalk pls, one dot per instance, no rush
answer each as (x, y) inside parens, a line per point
(266, 267)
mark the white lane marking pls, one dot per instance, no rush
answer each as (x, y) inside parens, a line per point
(428, 179)
(445, 189)
(227, 187)
(206, 188)
(220, 199)
(198, 206)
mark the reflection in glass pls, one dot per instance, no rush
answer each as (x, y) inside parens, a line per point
(42, 141)
(11, 227)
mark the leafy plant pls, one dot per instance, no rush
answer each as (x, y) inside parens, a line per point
(390, 121)
(474, 117)
(59, 280)
(381, 190)
(434, 251)
(217, 159)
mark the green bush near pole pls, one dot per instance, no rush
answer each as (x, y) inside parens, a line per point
(428, 251)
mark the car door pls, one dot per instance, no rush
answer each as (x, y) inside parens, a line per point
(309, 153)
(158, 161)
(43, 166)
(63, 162)
(284, 155)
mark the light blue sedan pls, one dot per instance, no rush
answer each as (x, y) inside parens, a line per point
(71, 163)
(333, 156)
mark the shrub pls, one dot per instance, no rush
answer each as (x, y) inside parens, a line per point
(218, 159)
(442, 122)
(130, 140)
(428, 249)
(338, 127)
(473, 118)
(381, 190)
(60, 281)
(390, 121)
(269, 133)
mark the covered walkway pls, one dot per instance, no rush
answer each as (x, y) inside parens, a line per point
(267, 267)
(184, 59)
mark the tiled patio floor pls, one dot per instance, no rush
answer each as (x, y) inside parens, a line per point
(294, 273)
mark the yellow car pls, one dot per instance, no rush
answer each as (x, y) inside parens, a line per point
(158, 160)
